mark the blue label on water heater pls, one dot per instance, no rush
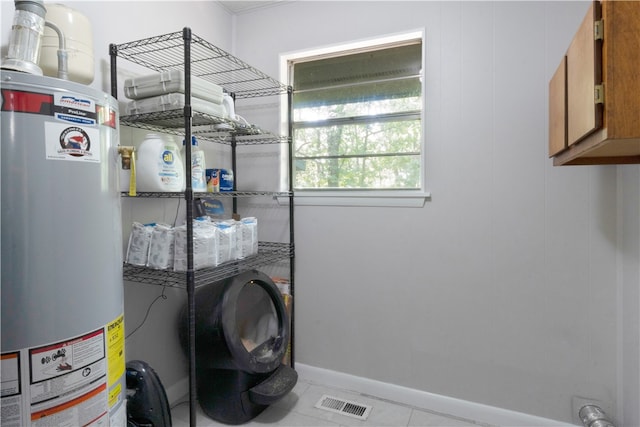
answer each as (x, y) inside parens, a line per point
(75, 109)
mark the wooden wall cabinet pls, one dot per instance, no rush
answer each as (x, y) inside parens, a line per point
(594, 95)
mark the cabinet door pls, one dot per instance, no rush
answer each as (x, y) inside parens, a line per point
(584, 66)
(558, 109)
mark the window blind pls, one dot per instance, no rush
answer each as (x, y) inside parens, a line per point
(386, 73)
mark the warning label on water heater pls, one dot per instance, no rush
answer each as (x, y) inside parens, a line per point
(115, 357)
(73, 382)
(68, 381)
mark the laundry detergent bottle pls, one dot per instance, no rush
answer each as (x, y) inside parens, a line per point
(198, 166)
(160, 167)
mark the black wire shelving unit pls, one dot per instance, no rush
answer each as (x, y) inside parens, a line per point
(195, 56)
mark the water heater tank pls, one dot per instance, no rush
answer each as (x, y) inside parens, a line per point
(63, 360)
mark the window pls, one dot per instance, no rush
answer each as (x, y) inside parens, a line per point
(357, 117)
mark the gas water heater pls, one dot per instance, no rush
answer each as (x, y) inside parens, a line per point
(63, 360)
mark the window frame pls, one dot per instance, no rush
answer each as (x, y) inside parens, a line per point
(347, 197)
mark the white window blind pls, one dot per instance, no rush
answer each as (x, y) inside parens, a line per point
(357, 118)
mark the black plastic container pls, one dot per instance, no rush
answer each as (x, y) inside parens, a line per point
(147, 404)
(242, 331)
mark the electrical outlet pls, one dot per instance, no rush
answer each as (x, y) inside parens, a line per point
(577, 402)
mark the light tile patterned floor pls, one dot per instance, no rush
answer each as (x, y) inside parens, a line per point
(298, 409)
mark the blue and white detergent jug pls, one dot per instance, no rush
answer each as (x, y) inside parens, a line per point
(159, 167)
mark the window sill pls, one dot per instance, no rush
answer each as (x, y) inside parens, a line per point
(415, 199)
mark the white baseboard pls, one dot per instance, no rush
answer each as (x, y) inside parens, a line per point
(421, 399)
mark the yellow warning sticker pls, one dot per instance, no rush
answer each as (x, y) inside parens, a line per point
(114, 395)
(115, 350)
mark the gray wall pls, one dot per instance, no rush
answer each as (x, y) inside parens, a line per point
(629, 295)
(505, 288)
(515, 286)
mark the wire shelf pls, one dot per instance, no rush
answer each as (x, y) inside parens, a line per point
(268, 253)
(204, 126)
(219, 194)
(209, 62)
(175, 119)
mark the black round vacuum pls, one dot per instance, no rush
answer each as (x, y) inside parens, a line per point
(242, 331)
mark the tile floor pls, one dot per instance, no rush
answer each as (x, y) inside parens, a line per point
(298, 409)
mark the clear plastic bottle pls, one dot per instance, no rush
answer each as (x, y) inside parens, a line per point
(198, 165)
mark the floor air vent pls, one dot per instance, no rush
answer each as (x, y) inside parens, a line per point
(344, 407)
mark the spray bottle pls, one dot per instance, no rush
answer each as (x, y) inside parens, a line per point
(198, 165)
